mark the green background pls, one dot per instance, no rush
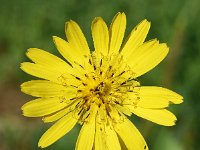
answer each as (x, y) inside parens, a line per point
(25, 24)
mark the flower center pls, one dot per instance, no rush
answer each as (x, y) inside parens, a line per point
(106, 86)
(102, 89)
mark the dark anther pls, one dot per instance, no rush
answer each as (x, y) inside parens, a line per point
(90, 62)
(100, 72)
(79, 90)
(79, 112)
(84, 84)
(74, 86)
(112, 74)
(86, 75)
(121, 73)
(81, 66)
(87, 116)
(93, 77)
(73, 98)
(94, 67)
(123, 83)
(78, 78)
(116, 102)
(77, 104)
(96, 89)
(145, 147)
(100, 62)
(110, 67)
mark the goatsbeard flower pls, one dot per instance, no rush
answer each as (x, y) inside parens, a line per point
(98, 89)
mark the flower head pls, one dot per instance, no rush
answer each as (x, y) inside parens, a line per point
(98, 89)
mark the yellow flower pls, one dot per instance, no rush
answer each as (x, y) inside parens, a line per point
(98, 89)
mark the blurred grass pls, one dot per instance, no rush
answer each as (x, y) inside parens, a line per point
(25, 24)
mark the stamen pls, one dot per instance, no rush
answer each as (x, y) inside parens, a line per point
(90, 62)
(81, 66)
(94, 67)
(73, 98)
(84, 84)
(78, 78)
(74, 86)
(100, 62)
(86, 75)
(100, 72)
(112, 74)
(110, 67)
(121, 73)
(106, 87)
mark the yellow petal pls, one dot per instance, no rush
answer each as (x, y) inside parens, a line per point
(43, 88)
(59, 129)
(61, 113)
(116, 32)
(55, 74)
(100, 138)
(48, 60)
(100, 36)
(76, 38)
(86, 137)
(136, 38)
(147, 56)
(159, 116)
(47, 66)
(70, 54)
(41, 107)
(111, 138)
(55, 116)
(106, 138)
(157, 97)
(123, 109)
(130, 135)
